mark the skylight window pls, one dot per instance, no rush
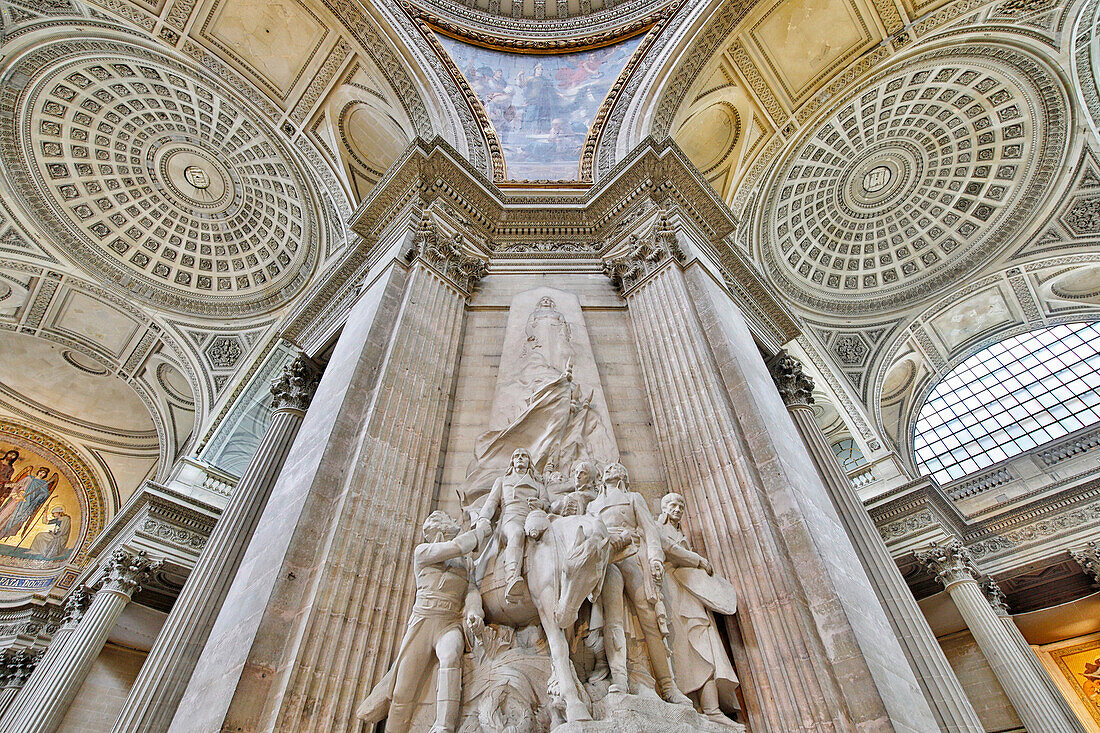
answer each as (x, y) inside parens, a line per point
(1008, 398)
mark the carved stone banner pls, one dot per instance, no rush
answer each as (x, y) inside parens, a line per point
(549, 398)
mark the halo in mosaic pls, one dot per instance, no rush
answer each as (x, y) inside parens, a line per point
(174, 189)
(931, 168)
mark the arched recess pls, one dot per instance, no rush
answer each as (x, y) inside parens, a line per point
(365, 131)
(1010, 302)
(53, 505)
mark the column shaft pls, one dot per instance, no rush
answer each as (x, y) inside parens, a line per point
(40, 673)
(74, 659)
(164, 674)
(1025, 689)
(941, 687)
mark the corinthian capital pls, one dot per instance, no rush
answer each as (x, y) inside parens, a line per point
(294, 388)
(126, 571)
(16, 667)
(795, 386)
(644, 255)
(950, 563)
(1088, 557)
(446, 254)
(75, 605)
(995, 596)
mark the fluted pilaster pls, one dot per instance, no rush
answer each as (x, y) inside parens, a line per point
(75, 605)
(946, 697)
(1032, 696)
(702, 448)
(156, 692)
(124, 573)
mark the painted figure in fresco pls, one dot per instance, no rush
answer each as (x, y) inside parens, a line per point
(543, 103)
(29, 493)
(445, 599)
(55, 541)
(513, 496)
(698, 654)
(7, 469)
(637, 568)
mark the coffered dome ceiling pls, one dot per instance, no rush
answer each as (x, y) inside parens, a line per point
(164, 183)
(933, 166)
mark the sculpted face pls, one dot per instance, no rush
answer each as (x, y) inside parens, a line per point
(615, 474)
(546, 302)
(673, 506)
(583, 474)
(521, 460)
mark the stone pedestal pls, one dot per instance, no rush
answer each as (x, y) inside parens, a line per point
(44, 711)
(1031, 696)
(164, 675)
(941, 687)
(619, 713)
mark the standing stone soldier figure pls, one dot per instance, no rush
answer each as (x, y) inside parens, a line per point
(444, 597)
(514, 496)
(638, 564)
(698, 653)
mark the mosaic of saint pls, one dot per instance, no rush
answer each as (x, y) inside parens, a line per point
(1081, 666)
(42, 513)
(541, 106)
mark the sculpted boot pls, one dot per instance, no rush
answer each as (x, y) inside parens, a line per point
(448, 701)
(616, 659)
(669, 692)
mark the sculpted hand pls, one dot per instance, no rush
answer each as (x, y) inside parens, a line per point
(483, 529)
(475, 623)
(706, 566)
(658, 569)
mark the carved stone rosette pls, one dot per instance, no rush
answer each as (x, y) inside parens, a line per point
(951, 563)
(446, 255)
(795, 386)
(645, 256)
(294, 388)
(1088, 557)
(126, 571)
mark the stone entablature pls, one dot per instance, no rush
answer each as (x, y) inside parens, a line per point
(578, 228)
(165, 524)
(920, 513)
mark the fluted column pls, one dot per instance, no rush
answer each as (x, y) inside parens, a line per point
(124, 573)
(332, 581)
(1030, 695)
(75, 605)
(15, 669)
(945, 695)
(164, 674)
(725, 452)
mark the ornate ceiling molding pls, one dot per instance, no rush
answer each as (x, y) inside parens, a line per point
(156, 179)
(933, 167)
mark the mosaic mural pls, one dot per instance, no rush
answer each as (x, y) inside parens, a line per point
(1081, 666)
(541, 105)
(48, 504)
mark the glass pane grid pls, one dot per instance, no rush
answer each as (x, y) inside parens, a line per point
(1009, 398)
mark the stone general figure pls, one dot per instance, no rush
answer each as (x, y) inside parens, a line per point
(637, 567)
(445, 598)
(698, 653)
(513, 496)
